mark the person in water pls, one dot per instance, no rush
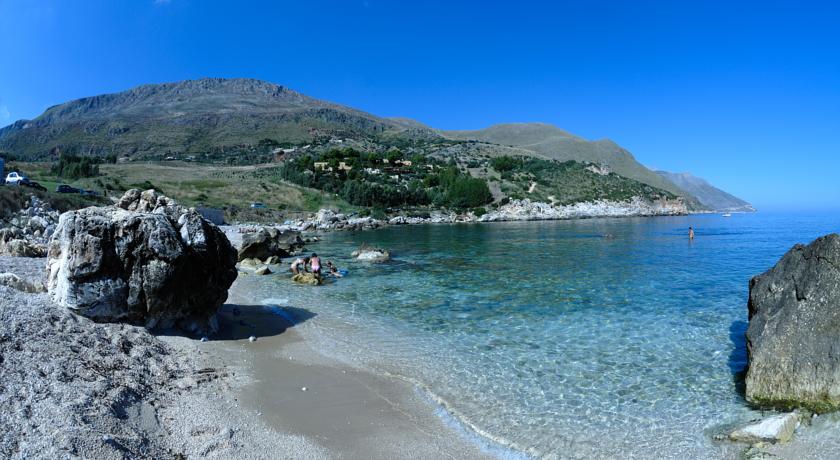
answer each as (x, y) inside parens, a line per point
(299, 264)
(690, 233)
(315, 264)
(333, 270)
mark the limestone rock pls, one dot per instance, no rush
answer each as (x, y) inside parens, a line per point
(15, 282)
(269, 241)
(778, 428)
(262, 271)
(793, 338)
(368, 254)
(146, 261)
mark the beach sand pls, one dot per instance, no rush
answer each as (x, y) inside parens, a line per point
(73, 388)
(346, 412)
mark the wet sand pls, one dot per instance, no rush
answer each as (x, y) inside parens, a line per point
(347, 412)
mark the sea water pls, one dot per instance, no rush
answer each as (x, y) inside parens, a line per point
(597, 338)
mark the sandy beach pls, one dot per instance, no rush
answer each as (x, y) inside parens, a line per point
(171, 395)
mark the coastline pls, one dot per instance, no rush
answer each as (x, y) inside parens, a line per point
(80, 389)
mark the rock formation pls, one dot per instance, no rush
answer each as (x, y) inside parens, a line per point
(145, 261)
(25, 233)
(793, 339)
(269, 242)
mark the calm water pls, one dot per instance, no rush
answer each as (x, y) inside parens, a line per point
(552, 338)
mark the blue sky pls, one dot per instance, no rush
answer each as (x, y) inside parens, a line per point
(744, 94)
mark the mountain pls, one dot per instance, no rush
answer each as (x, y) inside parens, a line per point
(554, 143)
(191, 117)
(245, 120)
(709, 195)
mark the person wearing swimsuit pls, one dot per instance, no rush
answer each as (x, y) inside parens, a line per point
(298, 264)
(315, 263)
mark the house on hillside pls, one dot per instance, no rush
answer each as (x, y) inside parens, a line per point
(322, 166)
(344, 166)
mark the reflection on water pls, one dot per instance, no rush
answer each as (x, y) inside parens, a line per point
(553, 337)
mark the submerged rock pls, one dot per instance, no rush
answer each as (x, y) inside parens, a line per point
(793, 339)
(306, 278)
(145, 260)
(778, 428)
(269, 242)
(368, 254)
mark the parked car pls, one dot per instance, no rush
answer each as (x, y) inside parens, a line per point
(32, 184)
(14, 178)
(258, 205)
(64, 188)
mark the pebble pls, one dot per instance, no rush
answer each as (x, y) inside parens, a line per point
(303, 389)
(204, 339)
(252, 339)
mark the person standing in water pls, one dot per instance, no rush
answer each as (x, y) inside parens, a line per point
(690, 233)
(315, 263)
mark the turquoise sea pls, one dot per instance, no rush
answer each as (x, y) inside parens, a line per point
(597, 338)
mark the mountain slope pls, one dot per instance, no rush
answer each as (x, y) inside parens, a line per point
(554, 143)
(193, 116)
(709, 195)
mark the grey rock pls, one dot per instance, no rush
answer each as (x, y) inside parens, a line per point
(15, 282)
(268, 242)
(145, 261)
(793, 339)
(778, 428)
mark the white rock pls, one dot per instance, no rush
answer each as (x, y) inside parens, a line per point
(778, 428)
(252, 339)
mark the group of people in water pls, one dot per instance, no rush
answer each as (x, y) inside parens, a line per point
(312, 264)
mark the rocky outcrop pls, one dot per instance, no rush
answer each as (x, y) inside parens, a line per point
(528, 210)
(25, 233)
(793, 338)
(269, 242)
(145, 261)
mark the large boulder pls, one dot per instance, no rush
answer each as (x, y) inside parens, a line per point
(793, 339)
(269, 241)
(145, 261)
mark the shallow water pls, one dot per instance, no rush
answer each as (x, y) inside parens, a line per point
(552, 338)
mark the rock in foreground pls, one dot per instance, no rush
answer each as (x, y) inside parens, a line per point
(145, 261)
(778, 428)
(793, 339)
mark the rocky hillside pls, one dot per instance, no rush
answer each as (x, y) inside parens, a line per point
(554, 143)
(246, 121)
(710, 196)
(193, 117)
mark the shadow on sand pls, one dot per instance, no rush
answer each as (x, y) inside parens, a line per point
(738, 356)
(237, 322)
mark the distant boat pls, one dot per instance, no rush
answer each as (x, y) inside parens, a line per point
(726, 214)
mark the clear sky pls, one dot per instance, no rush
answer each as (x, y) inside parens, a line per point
(744, 94)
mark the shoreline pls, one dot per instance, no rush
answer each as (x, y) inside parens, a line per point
(73, 388)
(346, 410)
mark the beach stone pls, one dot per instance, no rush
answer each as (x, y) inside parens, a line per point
(262, 271)
(144, 261)
(793, 338)
(21, 248)
(15, 282)
(778, 428)
(269, 241)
